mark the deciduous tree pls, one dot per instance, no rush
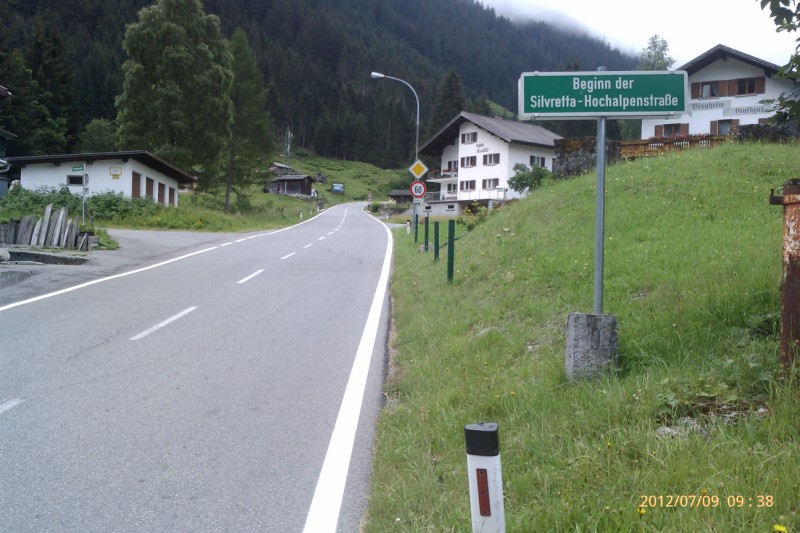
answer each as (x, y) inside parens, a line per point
(656, 55)
(786, 14)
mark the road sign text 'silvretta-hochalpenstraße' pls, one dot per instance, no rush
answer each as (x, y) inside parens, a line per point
(601, 93)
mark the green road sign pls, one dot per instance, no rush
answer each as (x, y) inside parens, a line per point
(601, 93)
(77, 168)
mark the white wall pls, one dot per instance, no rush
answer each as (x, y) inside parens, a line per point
(703, 111)
(101, 178)
(510, 155)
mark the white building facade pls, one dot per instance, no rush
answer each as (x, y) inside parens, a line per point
(478, 155)
(727, 90)
(135, 174)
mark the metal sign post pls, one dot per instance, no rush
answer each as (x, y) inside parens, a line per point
(592, 339)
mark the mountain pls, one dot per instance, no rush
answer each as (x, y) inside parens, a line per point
(316, 57)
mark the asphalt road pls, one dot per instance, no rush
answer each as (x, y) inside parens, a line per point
(207, 383)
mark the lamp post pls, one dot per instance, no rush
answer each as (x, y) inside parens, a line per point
(378, 75)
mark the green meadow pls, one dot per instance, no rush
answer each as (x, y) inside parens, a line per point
(695, 431)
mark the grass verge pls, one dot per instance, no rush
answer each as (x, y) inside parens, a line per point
(698, 407)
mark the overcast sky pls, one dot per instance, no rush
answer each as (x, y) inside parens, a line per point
(690, 27)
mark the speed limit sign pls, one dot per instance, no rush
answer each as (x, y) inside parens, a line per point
(417, 189)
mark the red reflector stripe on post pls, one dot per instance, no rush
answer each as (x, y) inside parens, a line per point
(483, 492)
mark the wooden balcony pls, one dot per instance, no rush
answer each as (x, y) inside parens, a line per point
(653, 147)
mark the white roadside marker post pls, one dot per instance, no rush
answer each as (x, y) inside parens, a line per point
(485, 478)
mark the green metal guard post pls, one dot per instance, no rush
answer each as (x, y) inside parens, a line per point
(427, 220)
(451, 248)
(416, 228)
(436, 241)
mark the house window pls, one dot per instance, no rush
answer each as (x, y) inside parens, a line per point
(469, 138)
(671, 130)
(468, 185)
(75, 180)
(725, 127)
(467, 162)
(491, 159)
(709, 89)
(451, 207)
(537, 161)
(491, 184)
(746, 86)
(452, 187)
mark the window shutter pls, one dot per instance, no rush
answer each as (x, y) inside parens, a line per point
(722, 88)
(659, 131)
(734, 125)
(761, 85)
(714, 127)
(695, 90)
(684, 129)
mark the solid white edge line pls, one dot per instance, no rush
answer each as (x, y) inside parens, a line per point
(10, 404)
(162, 324)
(251, 276)
(323, 515)
(101, 280)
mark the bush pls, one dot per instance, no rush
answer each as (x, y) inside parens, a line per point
(473, 215)
(20, 202)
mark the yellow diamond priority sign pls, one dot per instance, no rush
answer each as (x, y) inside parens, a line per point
(418, 169)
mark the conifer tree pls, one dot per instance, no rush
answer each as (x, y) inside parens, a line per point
(251, 139)
(175, 100)
(449, 103)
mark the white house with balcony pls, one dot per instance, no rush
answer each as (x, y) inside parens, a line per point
(478, 155)
(727, 89)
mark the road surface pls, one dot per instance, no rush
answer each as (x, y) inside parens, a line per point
(230, 387)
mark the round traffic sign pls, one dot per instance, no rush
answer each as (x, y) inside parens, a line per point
(417, 189)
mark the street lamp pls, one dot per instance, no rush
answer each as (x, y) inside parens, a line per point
(378, 75)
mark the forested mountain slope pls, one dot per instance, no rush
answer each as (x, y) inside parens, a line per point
(315, 56)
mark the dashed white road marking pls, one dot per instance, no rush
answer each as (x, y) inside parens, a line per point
(308, 246)
(251, 276)
(10, 404)
(287, 256)
(162, 324)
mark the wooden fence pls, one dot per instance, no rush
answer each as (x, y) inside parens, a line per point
(653, 147)
(54, 230)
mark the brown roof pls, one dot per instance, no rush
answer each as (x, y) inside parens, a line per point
(142, 156)
(508, 130)
(724, 52)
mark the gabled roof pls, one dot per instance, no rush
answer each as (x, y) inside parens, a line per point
(293, 177)
(722, 52)
(507, 130)
(4, 92)
(142, 156)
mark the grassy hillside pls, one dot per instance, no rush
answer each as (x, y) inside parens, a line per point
(699, 405)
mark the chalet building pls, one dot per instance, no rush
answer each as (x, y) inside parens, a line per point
(135, 174)
(478, 155)
(727, 89)
(292, 184)
(401, 196)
